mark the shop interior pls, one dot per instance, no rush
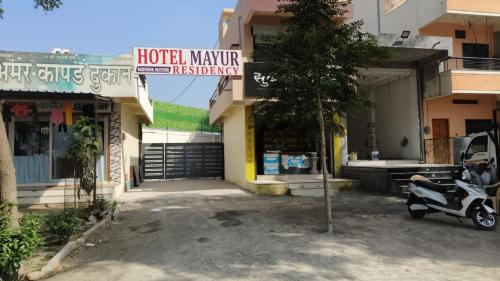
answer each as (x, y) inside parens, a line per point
(40, 129)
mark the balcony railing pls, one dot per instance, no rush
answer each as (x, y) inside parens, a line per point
(469, 63)
(221, 86)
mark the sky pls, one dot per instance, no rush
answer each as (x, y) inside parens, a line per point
(112, 27)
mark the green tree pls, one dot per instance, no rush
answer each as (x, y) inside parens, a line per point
(45, 5)
(314, 69)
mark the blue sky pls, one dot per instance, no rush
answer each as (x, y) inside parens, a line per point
(114, 27)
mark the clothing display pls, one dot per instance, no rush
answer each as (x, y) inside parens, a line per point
(6, 113)
(20, 110)
(68, 113)
(63, 128)
(34, 112)
(56, 116)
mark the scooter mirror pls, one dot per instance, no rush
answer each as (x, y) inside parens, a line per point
(466, 176)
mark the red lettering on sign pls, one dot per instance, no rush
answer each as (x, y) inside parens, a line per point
(164, 53)
(176, 69)
(153, 56)
(142, 56)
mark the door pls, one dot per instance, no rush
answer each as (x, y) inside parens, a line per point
(479, 51)
(441, 141)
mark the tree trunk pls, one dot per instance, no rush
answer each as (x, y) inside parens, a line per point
(8, 187)
(328, 199)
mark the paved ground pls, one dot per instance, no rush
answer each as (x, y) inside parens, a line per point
(208, 230)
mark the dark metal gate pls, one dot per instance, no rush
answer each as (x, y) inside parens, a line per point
(183, 160)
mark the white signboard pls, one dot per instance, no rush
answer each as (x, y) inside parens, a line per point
(105, 75)
(166, 61)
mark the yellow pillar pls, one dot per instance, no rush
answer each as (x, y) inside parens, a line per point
(338, 146)
(250, 169)
(337, 154)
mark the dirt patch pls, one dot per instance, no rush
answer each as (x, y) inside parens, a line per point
(142, 228)
(229, 218)
(204, 240)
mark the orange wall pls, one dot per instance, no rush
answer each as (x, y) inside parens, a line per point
(443, 108)
(472, 82)
(480, 6)
(480, 34)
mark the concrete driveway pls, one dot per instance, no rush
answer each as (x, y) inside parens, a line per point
(212, 230)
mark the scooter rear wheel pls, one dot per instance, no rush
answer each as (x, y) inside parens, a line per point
(484, 220)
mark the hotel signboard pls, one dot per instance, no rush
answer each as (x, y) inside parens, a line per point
(199, 62)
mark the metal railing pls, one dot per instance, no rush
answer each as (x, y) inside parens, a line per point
(469, 63)
(221, 86)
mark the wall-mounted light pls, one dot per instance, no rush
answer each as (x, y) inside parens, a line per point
(405, 34)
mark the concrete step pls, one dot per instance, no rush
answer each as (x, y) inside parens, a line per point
(317, 190)
(296, 187)
(291, 177)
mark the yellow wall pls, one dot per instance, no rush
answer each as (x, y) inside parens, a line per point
(234, 146)
(130, 132)
(250, 169)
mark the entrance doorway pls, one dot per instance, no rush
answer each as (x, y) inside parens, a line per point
(441, 141)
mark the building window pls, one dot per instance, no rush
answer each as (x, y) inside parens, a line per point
(391, 5)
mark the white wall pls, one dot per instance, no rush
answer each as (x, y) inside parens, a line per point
(396, 111)
(171, 136)
(412, 15)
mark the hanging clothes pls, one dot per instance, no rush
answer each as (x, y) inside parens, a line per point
(20, 110)
(68, 113)
(6, 113)
(34, 112)
(56, 116)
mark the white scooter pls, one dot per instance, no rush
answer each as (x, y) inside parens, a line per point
(468, 201)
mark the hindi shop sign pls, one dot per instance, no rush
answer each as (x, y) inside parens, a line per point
(200, 62)
(104, 75)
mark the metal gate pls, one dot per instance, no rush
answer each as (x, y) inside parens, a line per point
(183, 160)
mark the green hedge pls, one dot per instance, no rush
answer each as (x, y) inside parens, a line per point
(182, 118)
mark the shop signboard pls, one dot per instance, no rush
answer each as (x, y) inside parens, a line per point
(295, 161)
(271, 164)
(257, 82)
(199, 62)
(46, 72)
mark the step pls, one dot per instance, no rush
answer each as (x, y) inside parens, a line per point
(425, 174)
(317, 190)
(430, 178)
(291, 177)
(450, 186)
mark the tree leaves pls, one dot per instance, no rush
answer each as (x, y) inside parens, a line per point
(318, 57)
(45, 5)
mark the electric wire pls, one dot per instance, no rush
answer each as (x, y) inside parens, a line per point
(194, 78)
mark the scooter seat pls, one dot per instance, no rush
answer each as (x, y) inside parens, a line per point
(432, 186)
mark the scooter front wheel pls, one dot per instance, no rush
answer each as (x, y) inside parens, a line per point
(417, 214)
(484, 220)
